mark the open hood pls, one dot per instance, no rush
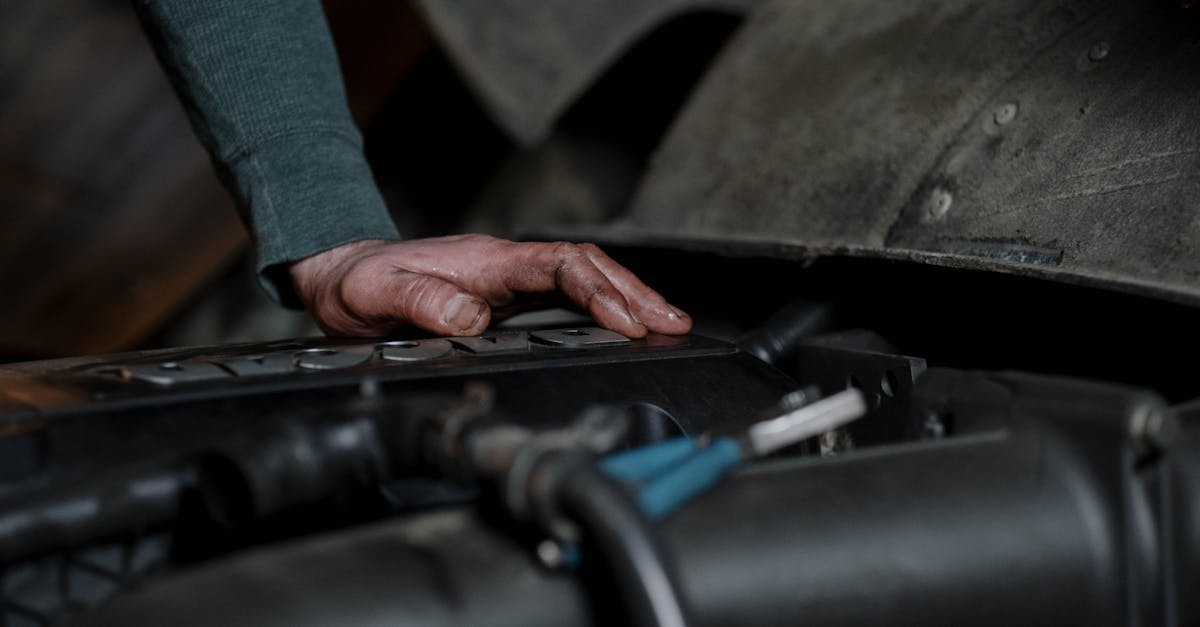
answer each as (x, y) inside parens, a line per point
(1054, 139)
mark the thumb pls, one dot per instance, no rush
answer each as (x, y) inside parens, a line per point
(423, 301)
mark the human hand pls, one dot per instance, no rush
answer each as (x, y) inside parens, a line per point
(455, 285)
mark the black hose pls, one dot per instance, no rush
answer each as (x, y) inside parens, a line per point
(777, 338)
(115, 506)
(614, 525)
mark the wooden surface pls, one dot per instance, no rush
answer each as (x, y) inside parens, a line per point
(110, 217)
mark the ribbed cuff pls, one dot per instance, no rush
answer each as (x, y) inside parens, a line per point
(306, 193)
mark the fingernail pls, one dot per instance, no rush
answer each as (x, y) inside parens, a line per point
(463, 313)
(677, 314)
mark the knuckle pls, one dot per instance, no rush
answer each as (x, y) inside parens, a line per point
(567, 256)
(421, 299)
(416, 291)
(591, 249)
(566, 251)
(483, 241)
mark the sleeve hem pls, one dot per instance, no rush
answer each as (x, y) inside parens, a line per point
(305, 193)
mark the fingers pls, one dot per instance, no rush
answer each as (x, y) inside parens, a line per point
(612, 294)
(395, 298)
(449, 286)
(567, 268)
(581, 281)
(605, 288)
(648, 305)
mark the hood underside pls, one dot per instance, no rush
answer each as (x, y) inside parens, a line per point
(1055, 139)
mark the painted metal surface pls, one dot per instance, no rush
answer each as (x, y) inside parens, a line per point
(1053, 139)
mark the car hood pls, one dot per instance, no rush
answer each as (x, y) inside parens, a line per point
(1054, 139)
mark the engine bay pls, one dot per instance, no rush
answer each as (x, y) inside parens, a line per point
(429, 481)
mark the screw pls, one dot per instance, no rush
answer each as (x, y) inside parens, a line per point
(1005, 113)
(1099, 51)
(939, 203)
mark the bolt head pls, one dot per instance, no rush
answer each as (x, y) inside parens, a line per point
(939, 203)
(1005, 113)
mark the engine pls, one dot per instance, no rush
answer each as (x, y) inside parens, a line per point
(569, 475)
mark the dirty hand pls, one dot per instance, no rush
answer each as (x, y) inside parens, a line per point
(455, 285)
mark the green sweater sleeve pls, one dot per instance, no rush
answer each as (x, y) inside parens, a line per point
(261, 84)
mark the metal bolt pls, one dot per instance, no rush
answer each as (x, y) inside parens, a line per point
(1005, 113)
(939, 203)
(1099, 51)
